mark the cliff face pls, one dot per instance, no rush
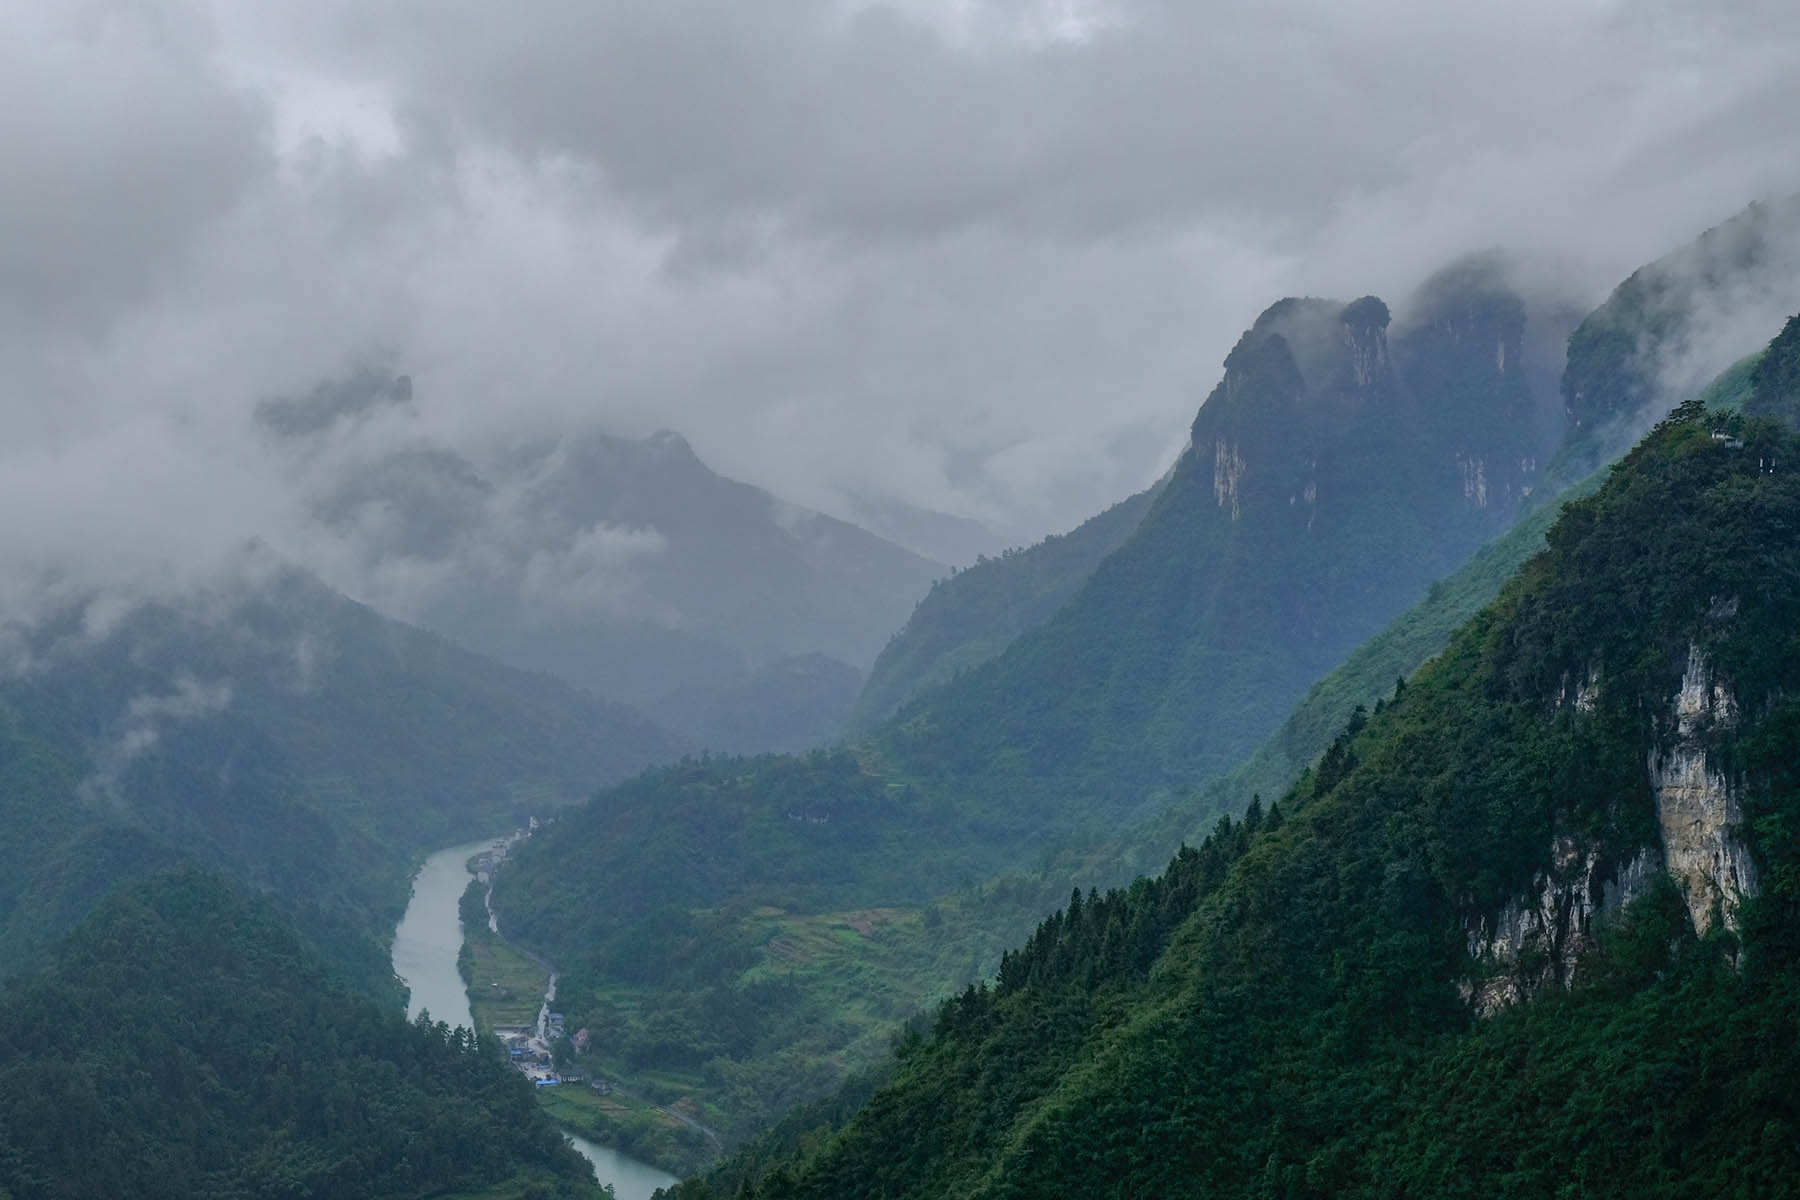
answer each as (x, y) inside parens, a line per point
(1543, 936)
(1321, 403)
(1344, 461)
(1697, 808)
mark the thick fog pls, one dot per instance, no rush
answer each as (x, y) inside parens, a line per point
(978, 258)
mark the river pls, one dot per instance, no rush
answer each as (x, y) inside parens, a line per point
(426, 943)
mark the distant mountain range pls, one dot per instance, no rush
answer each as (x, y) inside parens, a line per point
(626, 567)
(1066, 711)
(1558, 839)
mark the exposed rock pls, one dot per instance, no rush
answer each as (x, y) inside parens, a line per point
(1584, 693)
(1695, 805)
(1474, 477)
(1631, 880)
(1228, 473)
(1540, 938)
(1368, 347)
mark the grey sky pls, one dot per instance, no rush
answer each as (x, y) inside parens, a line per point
(981, 257)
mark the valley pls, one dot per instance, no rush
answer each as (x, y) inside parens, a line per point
(903, 599)
(427, 947)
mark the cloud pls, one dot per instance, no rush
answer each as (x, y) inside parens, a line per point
(594, 574)
(975, 256)
(141, 727)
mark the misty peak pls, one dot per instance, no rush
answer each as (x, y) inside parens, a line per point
(668, 442)
(366, 391)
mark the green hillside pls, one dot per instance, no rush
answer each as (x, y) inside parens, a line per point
(183, 1043)
(1775, 378)
(1366, 676)
(974, 614)
(289, 738)
(1525, 930)
(1671, 326)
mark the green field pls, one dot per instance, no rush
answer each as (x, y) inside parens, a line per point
(822, 993)
(631, 1126)
(505, 987)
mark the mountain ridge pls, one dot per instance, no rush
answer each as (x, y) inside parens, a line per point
(1563, 838)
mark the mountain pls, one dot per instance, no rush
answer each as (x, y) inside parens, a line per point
(939, 536)
(1673, 325)
(790, 704)
(1774, 383)
(1527, 929)
(624, 566)
(182, 1042)
(974, 614)
(1330, 479)
(744, 927)
(285, 736)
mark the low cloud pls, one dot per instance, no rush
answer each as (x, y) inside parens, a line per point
(145, 719)
(982, 258)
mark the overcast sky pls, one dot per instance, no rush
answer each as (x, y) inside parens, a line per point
(984, 258)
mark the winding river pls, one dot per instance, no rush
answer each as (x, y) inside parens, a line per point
(426, 943)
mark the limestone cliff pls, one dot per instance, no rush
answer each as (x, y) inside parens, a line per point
(1541, 937)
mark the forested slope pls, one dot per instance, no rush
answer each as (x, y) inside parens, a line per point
(1672, 325)
(974, 614)
(1331, 477)
(287, 737)
(1527, 929)
(182, 1043)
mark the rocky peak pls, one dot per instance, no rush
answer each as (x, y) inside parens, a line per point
(1364, 323)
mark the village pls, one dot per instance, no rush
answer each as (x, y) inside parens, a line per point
(529, 1050)
(529, 1047)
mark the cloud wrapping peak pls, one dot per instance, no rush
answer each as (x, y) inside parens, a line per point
(969, 255)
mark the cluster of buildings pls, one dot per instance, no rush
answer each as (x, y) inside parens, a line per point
(529, 1051)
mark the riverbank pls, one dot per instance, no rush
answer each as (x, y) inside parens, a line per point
(435, 959)
(506, 988)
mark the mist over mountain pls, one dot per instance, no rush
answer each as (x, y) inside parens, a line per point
(1331, 476)
(792, 527)
(1334, 472)
(1673, 325)
(282, 735)
(1560, 843)
(623, 566)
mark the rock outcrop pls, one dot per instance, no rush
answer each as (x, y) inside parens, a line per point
(1541, 937)
(1696, 806)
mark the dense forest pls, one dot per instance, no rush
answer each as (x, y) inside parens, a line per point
(183, 1042)
(284, 736)
(1314, 1001)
